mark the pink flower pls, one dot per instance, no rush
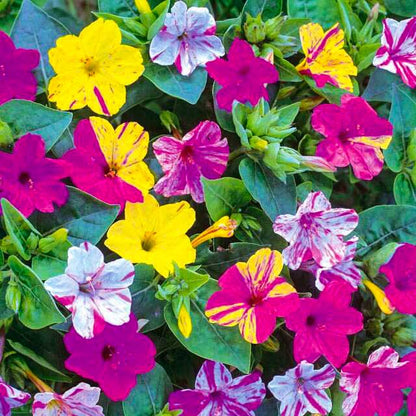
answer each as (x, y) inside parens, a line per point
(31, 181)
(315, 232)
(302, 390)
(400, 271)
(322, 325)
(354, 135)
(411, 367)
(397, 52)
(113, 358)
(375, 387)
(200, 153)
(80, 400)
(16, 66)
(242, 77)
(95, 292)
(11, 398)
(216, 393)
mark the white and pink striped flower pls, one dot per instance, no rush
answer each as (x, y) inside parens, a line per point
(11, 398)
(397, 53)
(95, 292)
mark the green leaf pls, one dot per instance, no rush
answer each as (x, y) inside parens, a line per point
(380, 86)
(274, 196)
(404, 190)
(224, 118)
(24, 116)
(150, 393)
(266, 8)
(118, 7)
(9, 15)
(53, 263)
(171, 82)
(405, 8)
(324, 12)
(85, 217)
(158, 23)
(5, 312)
(37, 308)
(209, 341)
(224, 196)
(287, 71)
(330, 92)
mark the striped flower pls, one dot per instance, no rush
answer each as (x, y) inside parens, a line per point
(11, 398)
(252, 296)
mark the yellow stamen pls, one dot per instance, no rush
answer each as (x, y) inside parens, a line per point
(224, 228)
(380, 297)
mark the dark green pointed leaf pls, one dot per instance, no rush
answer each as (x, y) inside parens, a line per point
(118, 7)
(324, 12)
(266, 8)
(404, 190)
(405, 8)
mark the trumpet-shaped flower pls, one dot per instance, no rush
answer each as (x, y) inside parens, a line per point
(108, 163)
(154, 234)
(92, 69)
(223, 228)
(397, 51)
(186, 39)
(252, 296)
(354, 135)
(16, 66)
(216, 393)
(113, 358)
(31, 181)
(10, 398)
(242, 77)
(315, 232)
(302, 390)
(95, 292)
(322, 325)
(325, 58)
(200, 153)
(80, 400)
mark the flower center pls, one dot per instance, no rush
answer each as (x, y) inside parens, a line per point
(110, 172)
(90, 65)
(183, 36)
(310, 320)
(149, 240)
(25, 179)
(244, 70)
(108, 352)
(187, 153)
(256, 300)
(306, 220)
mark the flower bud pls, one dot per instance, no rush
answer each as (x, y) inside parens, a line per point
(184, 321)
(254, 29)
(273, 27)
(6, 135)
(258, 143)
(47, 244)
(271, 345)
(13, 296)
(32, 241)
(404, 337)
(374, 327)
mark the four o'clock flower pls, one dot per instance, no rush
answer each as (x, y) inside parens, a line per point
(397, 53)
(354, 135)
(10, 398)
(315, 232)
(252, 296)
(95, 292)
(186, 39)
(80, 400)
(302, 390)
(216, 393)
(200, 153)
(242, 77)
(322, 325)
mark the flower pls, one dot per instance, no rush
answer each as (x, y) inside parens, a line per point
(223, 228)
(200, 153)
(252, 295)
(93, 69)
(322, 325)
(397, 51)
(216, 393)
(302, 390)
(411, 366)
(31, 181)
(315, 232)
(108, 163)
(113, 358)
(154, 234)
(242, 77)
(354, 135)
(186, 39)
(16, 66)
(11, 398)
(400, 271)
(374, 388)
(325, 59)
(95, 292)
(380, 297)
(79, 400)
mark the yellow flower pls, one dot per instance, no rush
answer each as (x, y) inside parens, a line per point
(93, 69)
(154, 234)
(223, 228)
(143, 6)
(184, 322)
(380, 297)
(325, 59)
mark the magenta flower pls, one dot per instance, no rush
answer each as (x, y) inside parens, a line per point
(322, 325)
(354, 135)
(31, 181)
(216, 393)
(113, 358)
(16, 66)
(95, 292)
(411, 367)
(200, 153)
(315, 232)
(80, 400)
(397, 51)
(400, 271)
(242, 77)
(302, 390)
(11, 398)
(375, 387)
(186, 39)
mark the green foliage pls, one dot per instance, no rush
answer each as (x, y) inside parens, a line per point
(266, 8)
(324, 12)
